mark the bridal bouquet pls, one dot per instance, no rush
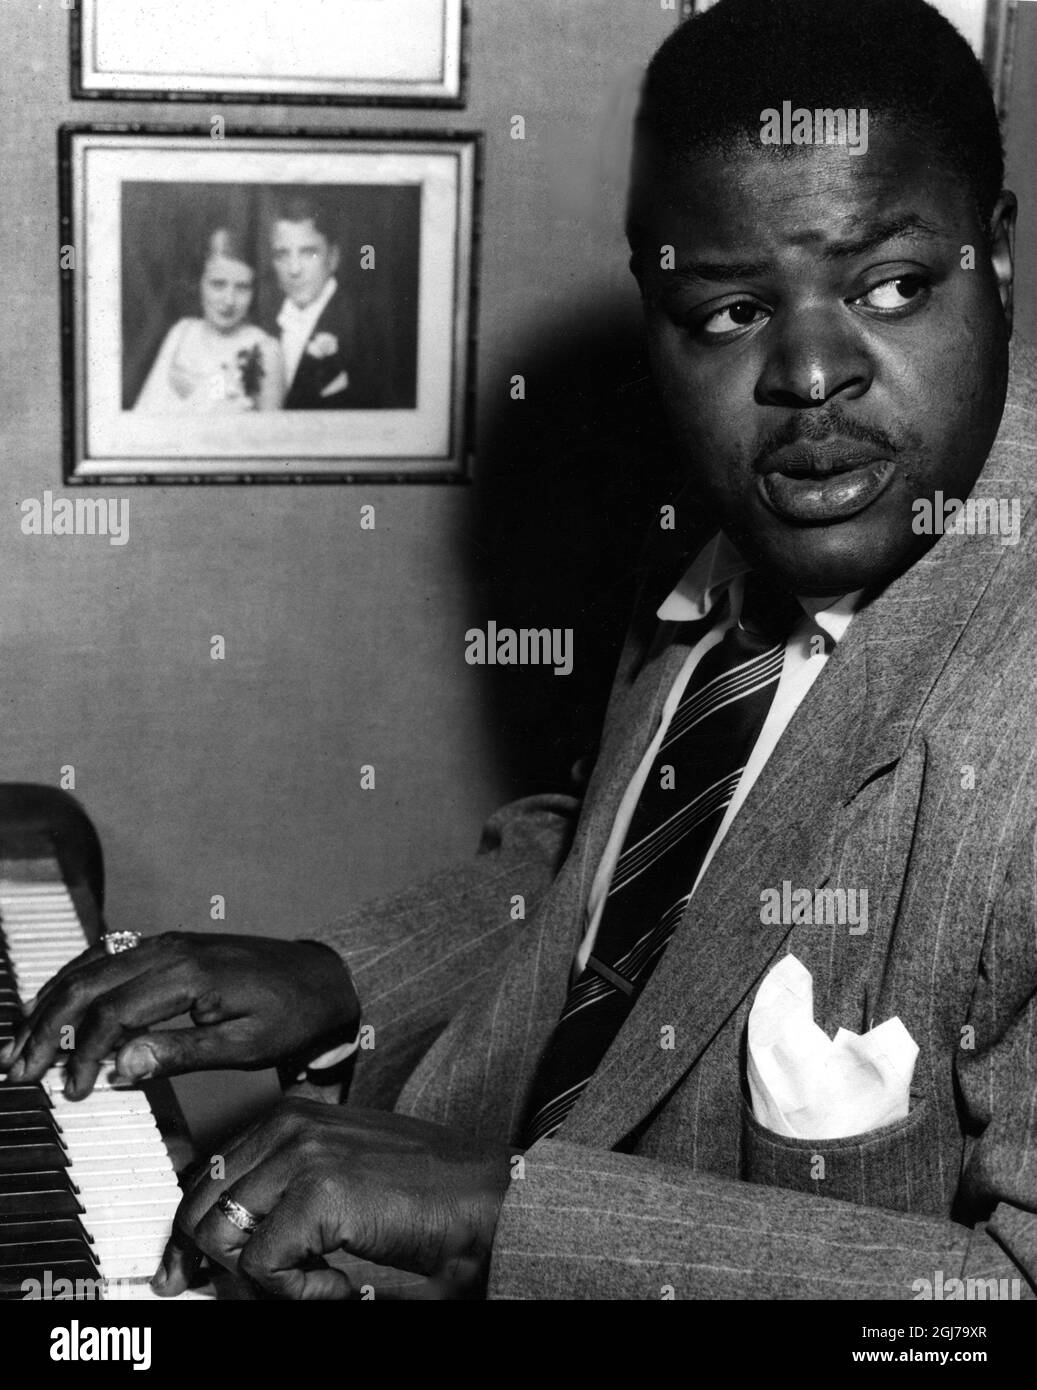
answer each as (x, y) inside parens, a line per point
(250, 370)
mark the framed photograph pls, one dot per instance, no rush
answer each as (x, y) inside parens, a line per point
(264, 307)
(989, 26)
(349, 52)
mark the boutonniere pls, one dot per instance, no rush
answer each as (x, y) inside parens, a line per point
(322, 345)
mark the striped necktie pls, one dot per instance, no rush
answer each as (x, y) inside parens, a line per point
(685, 796)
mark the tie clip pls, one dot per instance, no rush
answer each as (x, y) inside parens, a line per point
(600, 968)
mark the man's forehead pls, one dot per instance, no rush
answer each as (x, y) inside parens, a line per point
(823, 201)
(302, 229)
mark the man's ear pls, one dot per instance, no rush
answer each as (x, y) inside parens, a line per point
(333, 258)
(1002, 250)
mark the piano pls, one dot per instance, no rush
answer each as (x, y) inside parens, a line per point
(87, 1188)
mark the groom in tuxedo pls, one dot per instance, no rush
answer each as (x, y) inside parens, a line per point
(330, 363)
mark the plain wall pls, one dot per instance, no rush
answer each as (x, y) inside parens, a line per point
(344, 647)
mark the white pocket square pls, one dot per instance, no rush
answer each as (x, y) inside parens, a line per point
(339, 384)
(806, 1085)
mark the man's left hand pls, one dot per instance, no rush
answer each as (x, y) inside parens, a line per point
(390, 1189)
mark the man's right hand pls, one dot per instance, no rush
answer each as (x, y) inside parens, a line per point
(253, 1001)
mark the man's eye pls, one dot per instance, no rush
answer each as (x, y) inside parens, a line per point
(731, 318)
(896, 294)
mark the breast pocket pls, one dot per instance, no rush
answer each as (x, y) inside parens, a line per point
(896, 1166)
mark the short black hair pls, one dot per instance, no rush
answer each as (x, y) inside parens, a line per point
(304, 206)
(708, 84)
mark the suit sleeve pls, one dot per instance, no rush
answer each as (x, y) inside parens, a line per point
(586, 1223)
(418, 956)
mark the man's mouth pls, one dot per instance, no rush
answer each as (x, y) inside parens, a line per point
(816, 484)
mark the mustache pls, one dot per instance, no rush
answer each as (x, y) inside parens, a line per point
(808, 429)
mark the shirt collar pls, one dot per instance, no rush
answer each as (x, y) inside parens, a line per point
(710, 575)
(290, 311)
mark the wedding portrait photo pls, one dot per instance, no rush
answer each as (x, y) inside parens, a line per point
(239, 297)
(275, 307)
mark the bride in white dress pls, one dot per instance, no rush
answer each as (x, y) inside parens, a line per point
(219, 362)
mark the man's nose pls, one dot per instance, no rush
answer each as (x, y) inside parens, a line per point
(813, 354)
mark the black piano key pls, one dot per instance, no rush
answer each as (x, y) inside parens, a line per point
(22, 1119)
(37, 1181)
(30, 1132)
(23, 1098)
(17, 1253)
(41, 1228)
(37, 1149)
(52, 1197)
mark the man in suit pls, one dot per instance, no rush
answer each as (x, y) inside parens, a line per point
(327, 364)
(824, 688)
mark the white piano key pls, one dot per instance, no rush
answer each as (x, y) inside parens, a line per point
(102, 1104)
(161, 1209)
(118, 1161)
(132, 1266)
(106, 1188)
(90, 1151)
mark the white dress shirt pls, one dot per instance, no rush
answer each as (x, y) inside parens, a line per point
(297, 326)
(718, 570)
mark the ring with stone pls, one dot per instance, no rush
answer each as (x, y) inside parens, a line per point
(115, 942)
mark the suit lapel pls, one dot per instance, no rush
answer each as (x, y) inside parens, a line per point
(306, 380)
(865, 703)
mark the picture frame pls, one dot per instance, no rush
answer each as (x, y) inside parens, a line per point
(989, 25)
(402, 52)
(191, 354)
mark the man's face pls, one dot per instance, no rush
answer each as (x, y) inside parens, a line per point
(304, 260)
(823, 357)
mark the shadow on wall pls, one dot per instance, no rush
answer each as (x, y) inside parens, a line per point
(569, 481)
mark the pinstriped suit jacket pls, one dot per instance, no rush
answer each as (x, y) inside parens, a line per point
(910, 770)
